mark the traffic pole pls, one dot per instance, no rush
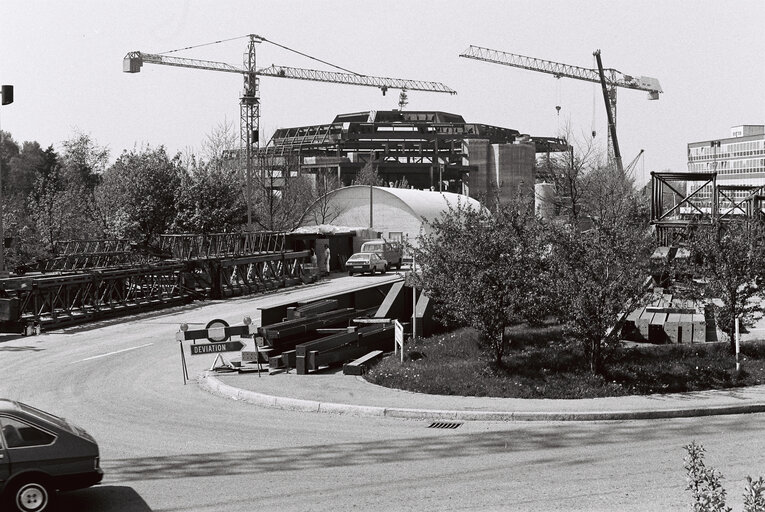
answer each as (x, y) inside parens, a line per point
(738, 347)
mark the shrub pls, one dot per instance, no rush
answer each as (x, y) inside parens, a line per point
(707, 492)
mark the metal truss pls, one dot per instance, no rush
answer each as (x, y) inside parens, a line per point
(79, 254)
(67, 299)
(718, 202)
(672, 221)
(557, 69)
(731, 206)
(203, 266)
(217, 245)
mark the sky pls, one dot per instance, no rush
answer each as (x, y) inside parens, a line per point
(64, 59)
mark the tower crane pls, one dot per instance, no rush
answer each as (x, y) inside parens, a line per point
(250, 98)
(609, 79)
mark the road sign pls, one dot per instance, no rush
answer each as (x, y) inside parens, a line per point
(216, 330)
(215, 348)
(399, 338)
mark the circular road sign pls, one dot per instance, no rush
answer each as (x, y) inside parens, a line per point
(217, 324)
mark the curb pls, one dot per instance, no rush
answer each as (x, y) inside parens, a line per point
(214, 386)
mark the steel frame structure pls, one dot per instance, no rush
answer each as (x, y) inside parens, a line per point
(200, 266)
(691, 210)
(424, 146)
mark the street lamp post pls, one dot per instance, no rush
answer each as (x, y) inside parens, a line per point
(7, 94)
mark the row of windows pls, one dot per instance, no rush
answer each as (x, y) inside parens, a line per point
(729, 150)
(725, 156)
(730, 167)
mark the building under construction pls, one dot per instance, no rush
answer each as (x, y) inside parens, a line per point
(427, 150)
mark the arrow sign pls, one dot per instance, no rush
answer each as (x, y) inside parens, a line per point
(214, 348)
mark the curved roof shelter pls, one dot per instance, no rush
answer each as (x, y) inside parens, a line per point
(397, 213)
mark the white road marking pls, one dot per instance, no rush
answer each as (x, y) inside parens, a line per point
(111, 353)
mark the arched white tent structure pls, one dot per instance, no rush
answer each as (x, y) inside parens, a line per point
(396, 213)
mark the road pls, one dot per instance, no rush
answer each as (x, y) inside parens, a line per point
(170, 447)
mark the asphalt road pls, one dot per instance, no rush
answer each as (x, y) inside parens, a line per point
(170, 447)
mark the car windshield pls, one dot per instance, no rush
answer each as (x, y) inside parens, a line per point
(50, 418)
(360, 256)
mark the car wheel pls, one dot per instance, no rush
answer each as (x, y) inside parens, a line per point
(350, 273)
(382, 270)
(31, 495)
(373, 271)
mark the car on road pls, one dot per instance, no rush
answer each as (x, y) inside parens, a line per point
(40, 454)
(392, 252)
(362, 262)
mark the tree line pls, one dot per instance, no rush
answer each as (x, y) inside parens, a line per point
(75, 192)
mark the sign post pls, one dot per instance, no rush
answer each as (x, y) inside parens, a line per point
(183, 363)
(414, 302)
(738, 365)
(218, 334)
(399, 338)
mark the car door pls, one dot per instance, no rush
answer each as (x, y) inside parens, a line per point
(29, 446)
(5, 462)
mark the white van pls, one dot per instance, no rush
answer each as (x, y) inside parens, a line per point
(392, 252)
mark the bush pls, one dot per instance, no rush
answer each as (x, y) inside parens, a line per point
(540, 364)
(707, 492)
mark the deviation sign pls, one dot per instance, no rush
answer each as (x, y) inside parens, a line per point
(214, 348)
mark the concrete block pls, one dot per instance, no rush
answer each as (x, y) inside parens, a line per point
(699, 328)
(643, 322)
(686, 324)
(672, 328)
(656, 328)
(629, 328)
(300, 365)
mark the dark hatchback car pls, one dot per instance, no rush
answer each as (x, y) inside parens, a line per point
(40, 454)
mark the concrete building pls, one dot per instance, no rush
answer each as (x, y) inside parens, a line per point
(430, 150)
(506, 168)
(396, 213)
(738, 160)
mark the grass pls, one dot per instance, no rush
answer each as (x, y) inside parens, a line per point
(540, 364)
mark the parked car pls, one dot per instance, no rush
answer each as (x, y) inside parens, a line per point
(41, 454)
(392, 252)
(365, 262)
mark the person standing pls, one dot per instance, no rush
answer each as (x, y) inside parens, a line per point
(326, 258)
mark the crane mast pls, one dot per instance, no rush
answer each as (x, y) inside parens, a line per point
(609, 79)
(609, 98)
(250, 98)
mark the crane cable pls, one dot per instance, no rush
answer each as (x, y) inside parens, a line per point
(310, 57)
(200, 45)
(267, 41)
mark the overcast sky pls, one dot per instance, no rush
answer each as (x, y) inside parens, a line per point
(65, 60)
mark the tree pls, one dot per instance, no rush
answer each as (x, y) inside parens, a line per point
(24, 169)
(224, 137)
(601, 271)
(62, 202)
(484, 270)
(84, 161)
(209, 200)
(137, 196)
(568, 172)
(323, 210)
(368, 175)
(728, 255)
(281, 193)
